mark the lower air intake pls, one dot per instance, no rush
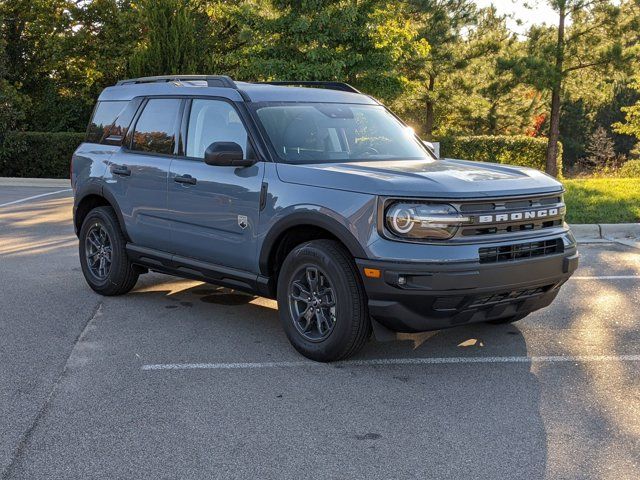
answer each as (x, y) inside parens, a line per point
(520, 251)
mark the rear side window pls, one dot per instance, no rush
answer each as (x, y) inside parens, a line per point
(155, 130)
(103, 117)
(122, 122)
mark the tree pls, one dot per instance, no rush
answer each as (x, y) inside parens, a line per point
(631, 125)
(485, 98)
(591, 42)
(600, 150)
(170, 38)
(369, 44)
(441, 24)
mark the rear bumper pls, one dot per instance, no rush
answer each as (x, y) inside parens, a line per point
(411, 297)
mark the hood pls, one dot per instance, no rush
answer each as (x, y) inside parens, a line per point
(445, 178)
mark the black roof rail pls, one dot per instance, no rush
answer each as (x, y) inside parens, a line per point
(212, 80)
(342, 86)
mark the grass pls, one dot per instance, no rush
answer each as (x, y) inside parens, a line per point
(603, 200)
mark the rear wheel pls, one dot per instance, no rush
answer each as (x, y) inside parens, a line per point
(103, 255)
(322, 303)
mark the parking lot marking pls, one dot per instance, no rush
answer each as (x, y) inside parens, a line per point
(34, 197)
(606, 277)
(393, 361)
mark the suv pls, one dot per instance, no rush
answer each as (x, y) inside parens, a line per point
(316, 195)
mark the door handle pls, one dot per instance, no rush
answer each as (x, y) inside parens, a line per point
(122, 170)
(185, 179)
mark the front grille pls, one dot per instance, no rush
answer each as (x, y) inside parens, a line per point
(511, 215)
(518, 251)
(479, 207)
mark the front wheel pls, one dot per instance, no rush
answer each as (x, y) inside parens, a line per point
(103, 255)
(322, 303)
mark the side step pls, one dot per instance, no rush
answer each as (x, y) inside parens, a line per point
(198, 270)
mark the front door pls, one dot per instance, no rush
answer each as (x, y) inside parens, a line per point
(214, 210)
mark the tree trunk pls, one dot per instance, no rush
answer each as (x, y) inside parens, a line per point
(429, 122)
(554, 127)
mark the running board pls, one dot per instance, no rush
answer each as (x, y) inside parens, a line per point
(198, 270)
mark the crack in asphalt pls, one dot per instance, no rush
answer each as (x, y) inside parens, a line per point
(26, 436)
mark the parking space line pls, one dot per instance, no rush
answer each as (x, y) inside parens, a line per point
(34, 197)
(606, 277)
(392, 362)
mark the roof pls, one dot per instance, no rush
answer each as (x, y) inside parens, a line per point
(235, 91)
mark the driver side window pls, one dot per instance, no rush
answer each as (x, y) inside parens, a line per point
(213, 121)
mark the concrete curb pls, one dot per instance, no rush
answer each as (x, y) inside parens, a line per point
(34, 182)
(623, 233)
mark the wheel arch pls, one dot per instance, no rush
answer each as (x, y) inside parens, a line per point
(92, 196)
(297, 228)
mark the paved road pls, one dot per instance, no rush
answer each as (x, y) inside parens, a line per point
(77, 402)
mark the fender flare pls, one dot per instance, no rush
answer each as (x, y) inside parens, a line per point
(98, 188)
(313, 218)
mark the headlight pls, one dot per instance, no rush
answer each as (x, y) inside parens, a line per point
(423, 221)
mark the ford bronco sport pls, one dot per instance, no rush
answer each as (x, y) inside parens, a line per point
(316, 195)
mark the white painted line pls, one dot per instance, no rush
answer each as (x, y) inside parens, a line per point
(607, 277)
(34, 197)
(392, 361)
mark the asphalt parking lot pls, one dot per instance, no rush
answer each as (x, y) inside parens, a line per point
(182, 380)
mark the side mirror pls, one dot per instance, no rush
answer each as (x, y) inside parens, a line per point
(226, 154)
(434, 148)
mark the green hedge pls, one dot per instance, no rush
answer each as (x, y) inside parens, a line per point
(38, 154)
(512, 150)
(630, 168)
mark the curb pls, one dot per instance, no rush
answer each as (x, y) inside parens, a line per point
(34, 182)
(623, 233)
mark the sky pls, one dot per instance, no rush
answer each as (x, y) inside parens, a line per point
(538, 12)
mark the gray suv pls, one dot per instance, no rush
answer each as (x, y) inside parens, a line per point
(316, 195)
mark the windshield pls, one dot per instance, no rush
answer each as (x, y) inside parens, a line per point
(330, 132)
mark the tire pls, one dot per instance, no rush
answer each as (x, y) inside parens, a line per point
(503, 321)
(118, 276)
(334, 332)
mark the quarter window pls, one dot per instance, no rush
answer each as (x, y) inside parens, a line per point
(213, 121)
(155, 129)
(103, 117)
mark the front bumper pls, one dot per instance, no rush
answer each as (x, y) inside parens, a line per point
(413, 297)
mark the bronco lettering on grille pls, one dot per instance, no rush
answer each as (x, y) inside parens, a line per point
(517, 216)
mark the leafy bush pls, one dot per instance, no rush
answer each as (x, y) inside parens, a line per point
(38, 154)
(630, 168)
(513, 150)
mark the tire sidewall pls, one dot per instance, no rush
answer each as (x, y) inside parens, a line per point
(338, 340)
(99, 217)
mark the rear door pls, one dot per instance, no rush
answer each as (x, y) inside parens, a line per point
(214, 210)
(138, 172)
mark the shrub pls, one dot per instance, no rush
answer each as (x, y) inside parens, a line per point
(38, 154)
(630, 168)
(513, 150)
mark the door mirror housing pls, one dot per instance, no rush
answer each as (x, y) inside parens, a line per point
(433, 147)
(226, 154)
